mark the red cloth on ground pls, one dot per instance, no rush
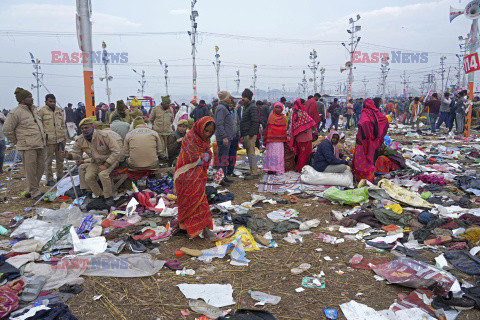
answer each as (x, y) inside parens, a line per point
(372, 128)
(385, 165)
(312, 109)
(193, 209)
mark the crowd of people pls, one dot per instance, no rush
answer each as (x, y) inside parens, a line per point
(290, 135)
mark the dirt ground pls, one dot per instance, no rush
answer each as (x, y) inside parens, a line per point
(268, 271)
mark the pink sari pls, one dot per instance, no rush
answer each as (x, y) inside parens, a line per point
(372, 128)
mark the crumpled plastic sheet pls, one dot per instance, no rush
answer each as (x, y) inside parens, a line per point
(217, 295)
(36, 229)
(237, 255)
(62, 217)
(70, 269)
(66, 184)
(416, 274)
(282, 215)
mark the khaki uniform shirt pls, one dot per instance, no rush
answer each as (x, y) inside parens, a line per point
(102, 150)
(53, 124)
(142, 146)
(24, 127)
(162, 120)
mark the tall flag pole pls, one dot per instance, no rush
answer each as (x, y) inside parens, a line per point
(84, 36)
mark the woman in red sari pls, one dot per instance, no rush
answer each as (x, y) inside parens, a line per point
(372, 128)
(274, 140)
(193, 210)
(301, 134)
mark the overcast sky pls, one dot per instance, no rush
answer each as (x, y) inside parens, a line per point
(387, 25)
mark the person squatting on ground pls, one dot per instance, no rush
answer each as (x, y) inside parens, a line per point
(142, 147)
(24, 128)
(103, 152)
(174, 142)
(55, 131)
(328, 158)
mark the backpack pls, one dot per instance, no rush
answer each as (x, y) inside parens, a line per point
(250, 314)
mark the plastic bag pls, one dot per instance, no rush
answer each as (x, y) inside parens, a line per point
(347, 196)
(416, 274)
(312, 176)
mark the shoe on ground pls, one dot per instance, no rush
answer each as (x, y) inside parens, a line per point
(252, 177)
(227, 180)
(449, 303)
(191, 252)
(28, 195)
(40, 196)
(109, 202)
(225, 184)
(50, 183)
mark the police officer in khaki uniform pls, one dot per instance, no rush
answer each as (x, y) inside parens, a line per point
(23, 127)
(122, 112)
(103, 152)
(142, 147)
(55, 129)
(162, 120)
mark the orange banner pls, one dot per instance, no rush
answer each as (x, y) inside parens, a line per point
(89, 93)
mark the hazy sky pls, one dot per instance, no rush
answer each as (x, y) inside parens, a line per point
(387, 25)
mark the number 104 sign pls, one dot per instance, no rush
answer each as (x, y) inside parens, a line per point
(471, 63)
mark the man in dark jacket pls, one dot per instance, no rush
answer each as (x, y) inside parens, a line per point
(224, 132)
(249, 131)
(80, 114)
(334, 111)
(200, 111)
(325, 160)
(70, 121)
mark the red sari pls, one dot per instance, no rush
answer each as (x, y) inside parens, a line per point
(193, 209)
(301, 135)
(372, 128)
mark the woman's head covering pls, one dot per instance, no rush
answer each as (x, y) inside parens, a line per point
(276, 130)
(329, 138)
(277, 119)
(300, 124)
(200, 125)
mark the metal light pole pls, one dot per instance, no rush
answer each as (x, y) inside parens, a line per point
(442, 64)
(313, 68)
(384, 70)
(165, 70)
(216, 65)
(106, 77)
(353, 46)
(322, 78)
(237, 81)
(193, 39)
(365, 82)
(84, 35)
(37, 74)
(142, 82)
(304, 84)
(463, 53)
(405, 83)
(254, 78)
